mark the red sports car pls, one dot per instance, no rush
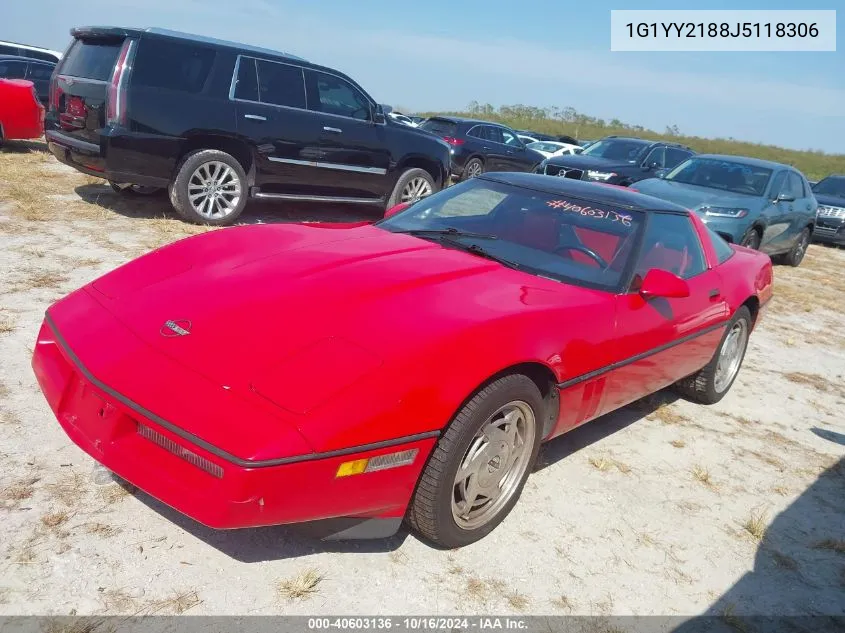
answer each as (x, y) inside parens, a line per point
(366, 373)
(21, 114)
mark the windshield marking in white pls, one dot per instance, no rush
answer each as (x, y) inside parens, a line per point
(587, 211)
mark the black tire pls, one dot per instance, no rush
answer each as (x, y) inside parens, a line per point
(178, 189)
(751, 239)
(430, 511)
(126, 189)
(701, 386)
(796, 254)
(475, 162)
(405, 179)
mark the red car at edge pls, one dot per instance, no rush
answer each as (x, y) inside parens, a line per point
(362, 374)
(21, 114)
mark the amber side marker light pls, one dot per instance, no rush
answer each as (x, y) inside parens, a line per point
(381, 462)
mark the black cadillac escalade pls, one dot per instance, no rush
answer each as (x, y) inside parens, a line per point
(217, 123)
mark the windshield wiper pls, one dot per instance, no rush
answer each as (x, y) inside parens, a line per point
(450, 232)
(475, 249)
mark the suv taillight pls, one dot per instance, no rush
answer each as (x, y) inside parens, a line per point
(453, 141)
(116, 102)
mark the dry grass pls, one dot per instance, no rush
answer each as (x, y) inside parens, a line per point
(176, 604)
(563, 603)
(116, 492)
(702, 475)
(20, 490)
(600, 463)
(118, 601)
(755, 525)
(678, 443)
(7, 322)
(476, 589)
(39, 279)
(54, 519)
(783, 561)
(302, 586)
(832, 544)
(517, 601)
(69, 490)
(819, 383)
(101, 529)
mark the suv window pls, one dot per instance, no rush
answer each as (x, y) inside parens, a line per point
(794, 186)
(510, 138)
(671, 244)
(675, 157)
(172, 65)
(6, 49)
(440, 127)
(655, 156)
(494, 134)
(47, 57)
(39, 72)
(722, 248)
(476, 132)
(334, 95)
(280, 84)
(91, 60)
(779, 184)
(246, 83)
(12, 69)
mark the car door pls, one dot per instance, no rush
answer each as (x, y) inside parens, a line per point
(271, 115)
(516, 158)
(355, 154)
(494, 148)
(660, 340)
(652, 163)
(804, 207)
(39, 74)
(777, 214)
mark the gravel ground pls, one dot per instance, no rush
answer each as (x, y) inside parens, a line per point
(664, 507)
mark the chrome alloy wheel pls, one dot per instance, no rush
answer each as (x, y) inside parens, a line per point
(474, 169)
(493, 466)
(801, 248)
(415, 189)
(730, 356)
(214, 190)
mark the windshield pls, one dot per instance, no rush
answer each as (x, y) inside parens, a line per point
(541, 146)
(616, 149)
(441, 127)
(552, 235)
(831, 186)
(722, 174)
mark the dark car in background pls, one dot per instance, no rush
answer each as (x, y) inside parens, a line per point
(27, 50)
(756, 203)
(218, 122)
(35, 70)
(830, 218)
(617, 160)
(481, 146)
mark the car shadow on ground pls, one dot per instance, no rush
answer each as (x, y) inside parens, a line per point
(157, 205)
(799, 568)
(23, 147)
(591, 432)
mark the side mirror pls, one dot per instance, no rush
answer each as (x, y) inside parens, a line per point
(662, 283)
(785, 197)
(398, 208)
(652, 165)
(661, 173)
(379, 114)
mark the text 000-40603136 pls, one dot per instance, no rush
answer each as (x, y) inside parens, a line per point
(723, 30)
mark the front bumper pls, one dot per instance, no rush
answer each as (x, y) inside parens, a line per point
(198, 482)
(829, 230)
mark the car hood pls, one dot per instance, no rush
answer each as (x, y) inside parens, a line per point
(694, 196)
(585, 161)
(255, 297)
(830, 201)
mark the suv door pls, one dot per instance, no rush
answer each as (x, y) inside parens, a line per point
(516, 158)
(674, 157)
(654, 162)
(666, 339)
(39, 74)
(271, 115)
(495, 149)
(801, 209)
(354, 150)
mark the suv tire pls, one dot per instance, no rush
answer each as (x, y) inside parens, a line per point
(796, 254)
(216, 181)
(411, 186)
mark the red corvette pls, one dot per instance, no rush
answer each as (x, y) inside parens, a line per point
(366, 373)
(21, 114)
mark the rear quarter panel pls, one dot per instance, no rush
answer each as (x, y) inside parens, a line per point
(20, 115)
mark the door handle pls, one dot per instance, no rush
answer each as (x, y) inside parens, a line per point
(715, 294)
(510, 151)
(255, 117)
(486, 148)
(333, 130)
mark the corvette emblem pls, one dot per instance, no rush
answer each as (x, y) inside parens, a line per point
(179, 327)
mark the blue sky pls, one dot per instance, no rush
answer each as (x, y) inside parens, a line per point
(443, 54)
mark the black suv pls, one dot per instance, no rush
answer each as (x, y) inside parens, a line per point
(481, 146)
(618, 160)
(218, 122)
(35, 70)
